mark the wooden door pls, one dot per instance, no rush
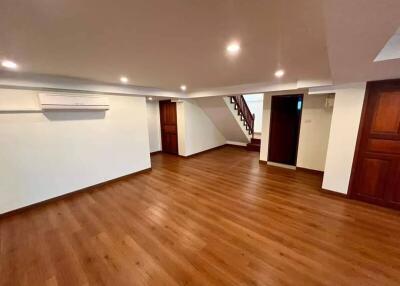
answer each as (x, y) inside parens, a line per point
(169, 127)
(376, 168)
(284, 129)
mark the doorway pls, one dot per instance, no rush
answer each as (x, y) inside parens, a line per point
(169, 127)
(376, 167)
(285, 129)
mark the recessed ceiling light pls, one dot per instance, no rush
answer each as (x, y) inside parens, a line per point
(150, 98)
(124, 79)
(183, 87)
(9, 64)
(280, 73)
(233, 48)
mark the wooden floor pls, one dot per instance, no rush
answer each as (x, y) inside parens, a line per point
(219, 218)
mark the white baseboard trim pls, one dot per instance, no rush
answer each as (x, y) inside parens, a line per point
(236, 143)
(281, 165)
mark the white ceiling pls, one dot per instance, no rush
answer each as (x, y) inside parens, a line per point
(356, 31)
(162, 44)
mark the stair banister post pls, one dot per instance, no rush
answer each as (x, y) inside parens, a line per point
(252, 125)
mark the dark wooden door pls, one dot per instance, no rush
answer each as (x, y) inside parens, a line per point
(284, 129)
(376, 168)
(169, 127)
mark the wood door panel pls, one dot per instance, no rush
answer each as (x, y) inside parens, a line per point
(169, 127)
(393, 196)
(376, 171)
(172, 141)
(384, 146)
(372, 178)
(387, 113)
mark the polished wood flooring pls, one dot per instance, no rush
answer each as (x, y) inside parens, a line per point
(219, 218)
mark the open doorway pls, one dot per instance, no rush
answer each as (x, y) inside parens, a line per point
(284, 134)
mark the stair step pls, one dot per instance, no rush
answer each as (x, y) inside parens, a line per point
(253, 147)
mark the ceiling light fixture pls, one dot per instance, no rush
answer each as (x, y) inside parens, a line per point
(150, 98)
(183, 87)
(280, 73)
(233, 48)
(124, 79)
(9, 64)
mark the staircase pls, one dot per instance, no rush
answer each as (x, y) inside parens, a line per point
(231, 116)
(222, 113)
(244, 112)
(254, 145)
(248, 120)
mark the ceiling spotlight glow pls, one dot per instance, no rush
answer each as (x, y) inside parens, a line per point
(150, 98)
(280, 73)
(183, 87)
(233, 48)
(124, 79)
(9, 64)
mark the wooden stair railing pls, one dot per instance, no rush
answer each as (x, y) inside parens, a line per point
(244, 112)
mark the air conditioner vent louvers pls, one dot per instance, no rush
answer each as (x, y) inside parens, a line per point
(60, 101)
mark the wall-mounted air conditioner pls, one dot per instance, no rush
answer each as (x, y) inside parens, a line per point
(59, 101)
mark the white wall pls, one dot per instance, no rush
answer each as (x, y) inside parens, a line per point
(314, 132)
(255, 104)
(196, 131)
(265, 127)
(47, 155)
(343, 136)
(153, 124)
(181, 126)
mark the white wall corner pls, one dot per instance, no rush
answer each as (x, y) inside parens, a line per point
(181, 126)
(196, 131)
(345, 124)
(265, 127)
